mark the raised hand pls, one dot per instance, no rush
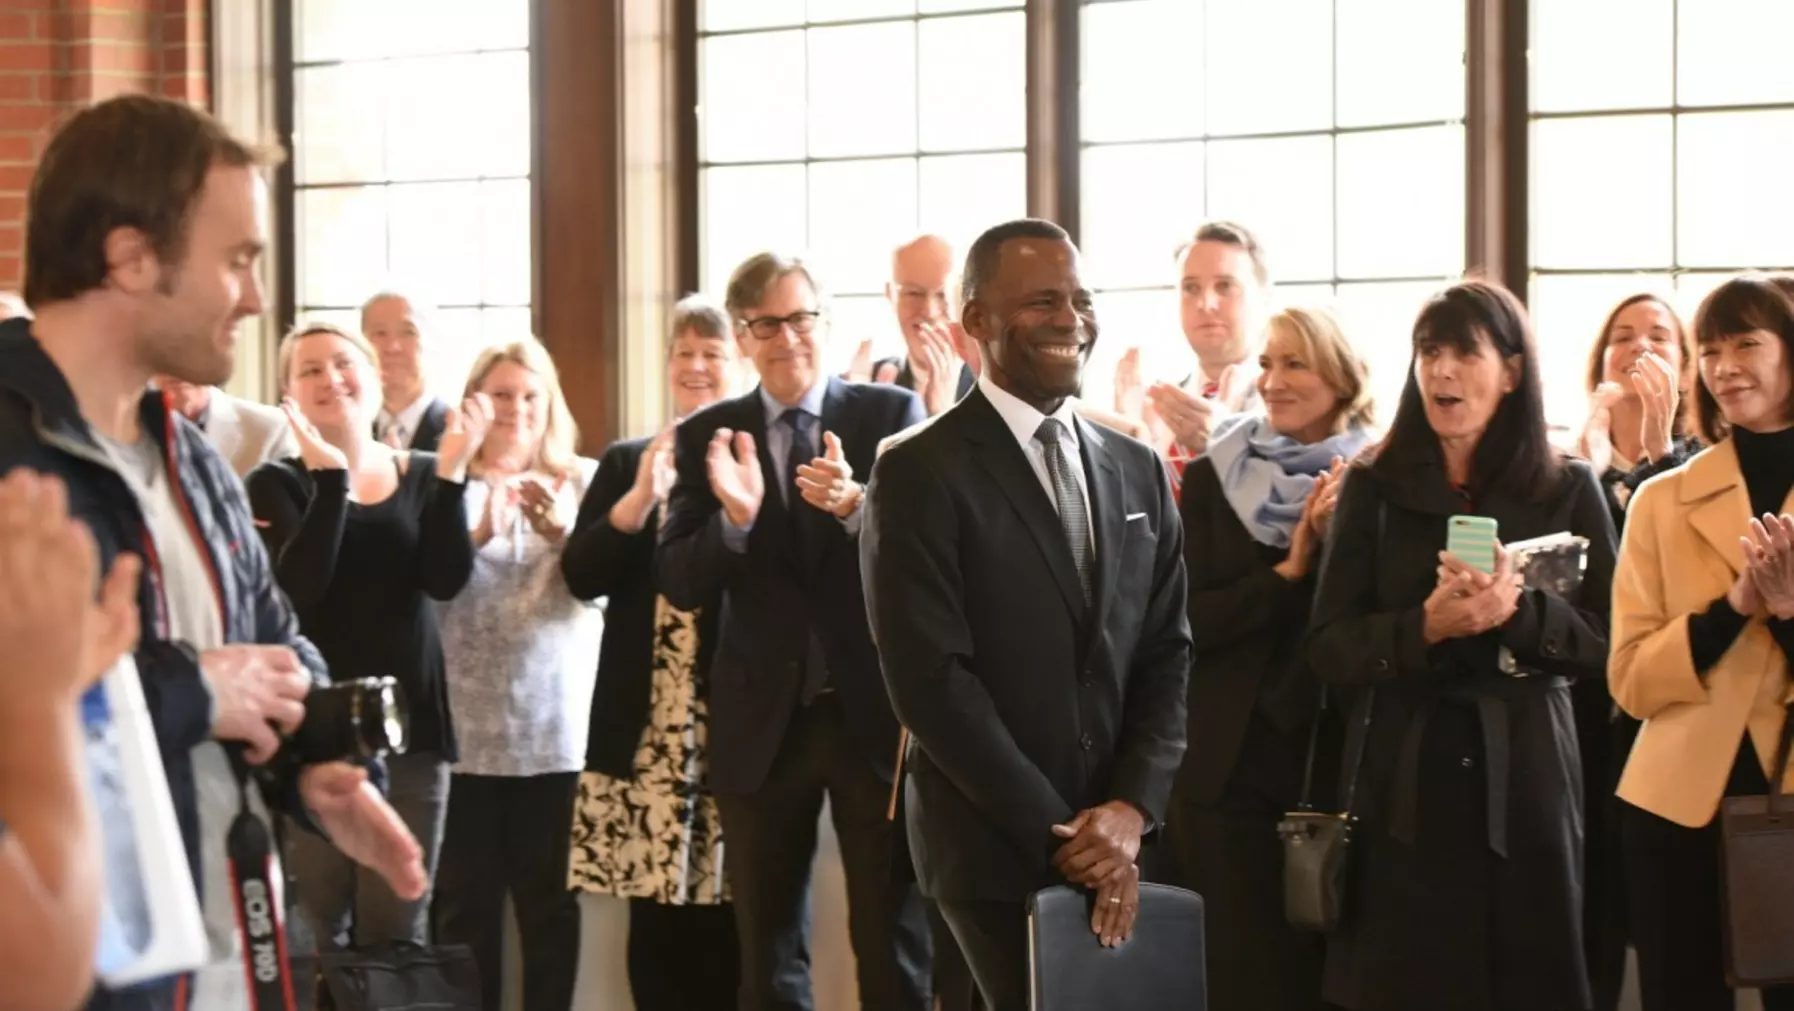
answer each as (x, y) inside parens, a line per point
(1596, 443)
(936, 368)
(966, 348)
(461, 441)
(827, 481)
(1327, 498)
(501, 507)
(543, 508)
(735, 477)
(654, 479)
(1189, 417)
(58, 635)
(1656, 384)
(1130, 393)
(314, 451)
(1769, 558)
(1466, 602)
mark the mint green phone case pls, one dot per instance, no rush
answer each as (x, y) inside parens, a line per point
(1471, 540)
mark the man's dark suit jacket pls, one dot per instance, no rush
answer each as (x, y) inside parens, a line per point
(769, 599)
(431, 426)
(1023, 707)
(601, 561)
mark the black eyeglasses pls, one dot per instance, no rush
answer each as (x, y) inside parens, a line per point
(768, 327)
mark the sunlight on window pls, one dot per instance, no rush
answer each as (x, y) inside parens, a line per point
(412, 154)
(841, 141)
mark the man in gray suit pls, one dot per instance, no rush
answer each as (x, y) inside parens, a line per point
(246, 433)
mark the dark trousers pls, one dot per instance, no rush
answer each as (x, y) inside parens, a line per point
(1605, 739)
(1234, 860)
(511, 834)
(993, 936)
(683, 958)
(1673, 898)
(954, 988)
(771, 839)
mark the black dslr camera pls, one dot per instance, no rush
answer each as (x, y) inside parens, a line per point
(352, 721)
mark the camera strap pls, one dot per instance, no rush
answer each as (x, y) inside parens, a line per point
(250, 847)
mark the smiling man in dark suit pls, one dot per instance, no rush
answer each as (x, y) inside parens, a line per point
(1025, 579)
(765, 510)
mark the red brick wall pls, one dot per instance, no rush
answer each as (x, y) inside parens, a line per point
(58, 55)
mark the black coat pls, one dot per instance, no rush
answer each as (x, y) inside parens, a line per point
(601, 561)
(1468, 882)
(771, 599)
(1250, 659)
(1024, 705)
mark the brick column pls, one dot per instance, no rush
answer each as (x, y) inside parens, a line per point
(59, 55)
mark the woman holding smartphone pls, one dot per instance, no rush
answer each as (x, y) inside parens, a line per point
(1467, 878)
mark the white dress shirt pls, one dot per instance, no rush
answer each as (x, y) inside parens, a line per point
(1023, 420)
(405, 422)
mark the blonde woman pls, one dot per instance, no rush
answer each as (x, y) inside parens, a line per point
(522, 655)
(363, 536)
(1255, 510)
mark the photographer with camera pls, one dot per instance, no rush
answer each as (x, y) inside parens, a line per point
(146, 222)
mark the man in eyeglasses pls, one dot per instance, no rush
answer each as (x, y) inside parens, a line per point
(766, 510)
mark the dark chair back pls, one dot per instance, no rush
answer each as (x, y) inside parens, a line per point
(1160, 968)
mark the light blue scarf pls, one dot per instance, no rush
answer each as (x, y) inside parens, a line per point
(1266, 475)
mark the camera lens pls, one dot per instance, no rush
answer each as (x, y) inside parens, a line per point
(353, 721)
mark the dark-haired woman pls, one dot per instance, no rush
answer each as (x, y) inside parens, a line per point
(1638, 373)
(1702, 628)
(1467, 885)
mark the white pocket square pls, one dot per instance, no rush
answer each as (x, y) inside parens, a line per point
(1131, 517)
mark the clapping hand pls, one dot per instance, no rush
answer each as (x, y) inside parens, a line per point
(1467, 602)
(314, 451)
(462, 439)
(58, 636)
(1656, 384)
(735, 477)
(1191, 418)
(827, 483)
(542, 507)
(1769, 562)
(935, 364)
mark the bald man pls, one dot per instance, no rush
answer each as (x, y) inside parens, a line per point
(919, 293)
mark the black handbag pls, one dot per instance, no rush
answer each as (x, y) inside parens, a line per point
(1757, 861)
(399, 977)
(1317, 845)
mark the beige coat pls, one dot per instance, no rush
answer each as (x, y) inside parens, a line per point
(1681, 552)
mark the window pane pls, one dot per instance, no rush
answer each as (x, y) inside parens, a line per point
(1270, 65)
(729, 15)
(505, 242)
(1378, 320)
(1136, 319)
(750, 87)
(943, 6)
(1732, 202)
(459, 116)
(853, 10)
(862, 89)
(1138, 204)
(1602, 54)
(1283, 190)
(1694, 286)
(455, 339)
(973, 94)
(1407, 76)
(855, 318)
(342, 244)
(435, 241)
(1734, 51)
(1308, 296)
(1566, 316)
(453, 26)
(338, 29)
(347, 319)
(507, 324)
(1140, 80)
(750, 209)
(341, 134)
(859, 211)
(962, 195)
(1601, 192)
(1401, 203)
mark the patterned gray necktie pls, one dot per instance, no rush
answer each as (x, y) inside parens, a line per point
(1071, 504)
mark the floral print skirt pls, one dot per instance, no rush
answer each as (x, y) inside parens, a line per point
(656, 836)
